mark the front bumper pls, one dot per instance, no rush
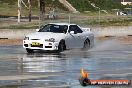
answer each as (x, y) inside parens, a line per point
(43, 45)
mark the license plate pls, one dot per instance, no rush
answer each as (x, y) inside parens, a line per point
(35, 44)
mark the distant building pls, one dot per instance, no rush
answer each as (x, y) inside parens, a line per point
(126, 2)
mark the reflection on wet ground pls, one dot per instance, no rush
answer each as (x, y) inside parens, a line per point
(107, 60)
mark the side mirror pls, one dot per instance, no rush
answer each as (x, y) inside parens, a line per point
(71, 32)
(37, 30)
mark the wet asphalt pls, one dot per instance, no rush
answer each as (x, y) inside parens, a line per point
(109, 59)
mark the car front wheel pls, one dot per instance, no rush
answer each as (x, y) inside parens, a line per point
(29, 50)
(61, 46)
(86, 44)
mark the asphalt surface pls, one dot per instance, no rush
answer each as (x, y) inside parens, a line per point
(109, 59)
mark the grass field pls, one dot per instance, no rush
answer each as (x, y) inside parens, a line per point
(80, 18)
(85, 18)
(85, 5)
(9, 7)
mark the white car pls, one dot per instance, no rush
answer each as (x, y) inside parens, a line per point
(59, 37)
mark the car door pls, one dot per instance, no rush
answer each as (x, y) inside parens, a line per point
(81, 37)
(76, 37)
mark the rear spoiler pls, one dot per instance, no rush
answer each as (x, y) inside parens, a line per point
(86, 29)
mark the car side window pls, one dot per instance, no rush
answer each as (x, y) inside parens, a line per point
(75, 28)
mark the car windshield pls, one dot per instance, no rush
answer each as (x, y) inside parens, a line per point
(54, 28)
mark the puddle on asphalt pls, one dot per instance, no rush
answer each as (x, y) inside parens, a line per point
(107, 60)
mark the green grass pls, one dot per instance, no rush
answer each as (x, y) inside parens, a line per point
(84, 5)
(9, 7)
(104, 23)
(31, 25)
(112, 20)
(6, 9)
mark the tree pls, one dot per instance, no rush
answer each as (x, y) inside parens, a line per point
(29, 7)
(42, 8)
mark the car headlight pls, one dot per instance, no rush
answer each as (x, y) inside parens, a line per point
(26, 38)
(50, 40)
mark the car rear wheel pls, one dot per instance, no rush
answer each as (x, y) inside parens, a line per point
(29, 50)
(61, 46)
(86, 44)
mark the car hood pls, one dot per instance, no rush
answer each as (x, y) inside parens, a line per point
(45, 35)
